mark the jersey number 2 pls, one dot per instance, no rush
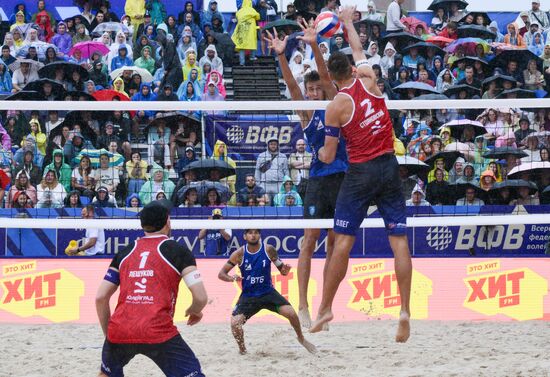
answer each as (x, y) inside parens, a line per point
(366, 102)
(144, 257)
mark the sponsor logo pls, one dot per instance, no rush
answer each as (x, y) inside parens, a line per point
(517, 294)
(53, 294)
(439, 237)
(235, 134)
(311, 210)
(375, 291)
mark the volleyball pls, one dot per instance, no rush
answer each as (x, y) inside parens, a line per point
(327, 25)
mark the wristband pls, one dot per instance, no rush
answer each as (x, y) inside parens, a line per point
(361, 63)
(332, 131)
(192, 278)
(278, 263)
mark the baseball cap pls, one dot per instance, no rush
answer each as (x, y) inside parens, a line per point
(102, 188)
(189, 149)
(154, 215)
(217, 211)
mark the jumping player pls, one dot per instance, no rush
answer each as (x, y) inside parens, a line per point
(360, 114)
(254, 260)
(148, 272)
(324, 179)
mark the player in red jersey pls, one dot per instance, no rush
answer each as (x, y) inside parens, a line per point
(359, 112)
(148, 272)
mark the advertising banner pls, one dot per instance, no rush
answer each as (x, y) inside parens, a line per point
(246, 136)
(60, 291)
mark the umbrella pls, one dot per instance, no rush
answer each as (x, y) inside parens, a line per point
(40, 47)
(440, 41)
(420, 86)
(413, 165)
(38, 86)
(458, 127)
(115, 159)
(83, 21)
(110, 95)
(463, 148)
(145, 74)
(173, 119)
(94, 4)
(541, 136)
(369, 24)
(423, 47)
(431, 97)
(468, 45)
(33, 63)
(71, 118)
(205, 186)
(449, 158)
(288, 26)
(110, 27)
(499, 79)
(475, 31)
(515, 184)
(77, 95)
(349, 52)
(400, 40)
(49, 70)
(25, 95)
(88, 48)
(203, 168)
(503, 152)
(446, 4)
(225, 45)
(517, 93)
(412, 23)
(521, 56)
(486, 18)
(471, 60)
(456, 89)
(534, 168)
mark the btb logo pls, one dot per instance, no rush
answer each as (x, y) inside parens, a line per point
(235, 134)
(439, 237)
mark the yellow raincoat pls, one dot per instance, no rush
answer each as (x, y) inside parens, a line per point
(229, 181)
(245, 36)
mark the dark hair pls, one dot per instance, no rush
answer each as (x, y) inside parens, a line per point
(248, 230)
(311, 76)
(90, 207)
(339, 66)
(452, 25)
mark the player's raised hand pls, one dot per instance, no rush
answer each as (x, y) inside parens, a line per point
(310, 34)
(274, 43)
(194, 318)
(346, 13)
(285, 269)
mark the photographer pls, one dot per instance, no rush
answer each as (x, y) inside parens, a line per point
(216, 241)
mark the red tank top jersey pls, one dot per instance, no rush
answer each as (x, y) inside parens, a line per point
(148, 292)
(369, 132)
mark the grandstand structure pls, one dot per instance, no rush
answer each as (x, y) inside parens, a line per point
(156, 111)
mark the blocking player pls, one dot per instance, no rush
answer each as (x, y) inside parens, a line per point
(148, 272)
(254, 261)
(359, 113)
(324, 179)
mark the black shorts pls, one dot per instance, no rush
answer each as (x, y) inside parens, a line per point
(321, 195)
(248, 306)
(173, 357)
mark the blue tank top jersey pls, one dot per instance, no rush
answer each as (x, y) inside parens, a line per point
(315, 137)
(215, 244)
(256, 273)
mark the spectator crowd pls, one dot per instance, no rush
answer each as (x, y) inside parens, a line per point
(53, 159)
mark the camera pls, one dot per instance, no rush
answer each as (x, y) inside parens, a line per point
(217, 217)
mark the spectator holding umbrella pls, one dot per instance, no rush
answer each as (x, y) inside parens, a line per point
(437, 192)
(532, 77)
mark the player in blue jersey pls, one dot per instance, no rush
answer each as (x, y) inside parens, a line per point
(254, 261)
(324, 179)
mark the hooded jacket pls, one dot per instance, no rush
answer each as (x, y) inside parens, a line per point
(245, 34)
(147, 64)
(209, 14)
(453, 174)
(148, 191)
(63, 171)
(387, 62)
(423, 201)
(271, 169)
(5, 78)
(280, 199)
(216, 63)
(139, 96)
(40, 137)
(129, 200)
(119, 61)
(14, 189)
(230, 181)
(516, 40)
(219, 85)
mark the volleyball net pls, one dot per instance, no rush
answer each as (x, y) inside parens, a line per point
(476, 170)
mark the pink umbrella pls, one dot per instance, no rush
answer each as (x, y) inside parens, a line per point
(412, 23)
(88, 48)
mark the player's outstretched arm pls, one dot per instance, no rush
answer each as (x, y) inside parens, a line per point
(279, 47)
(310, 37)
(327, 153)
(192, 278)
(283, 268)
(363, 69)
(106, 289)
(233, 260)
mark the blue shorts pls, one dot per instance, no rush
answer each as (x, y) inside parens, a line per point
(173, 357)
(372, 181)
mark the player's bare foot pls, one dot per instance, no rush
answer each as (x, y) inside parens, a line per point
(404, 328)
(322, 318)
(242, 351)
(305, 318)
(310, 347)
(325, 326)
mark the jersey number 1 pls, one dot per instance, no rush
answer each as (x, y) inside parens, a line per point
(144, 257)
